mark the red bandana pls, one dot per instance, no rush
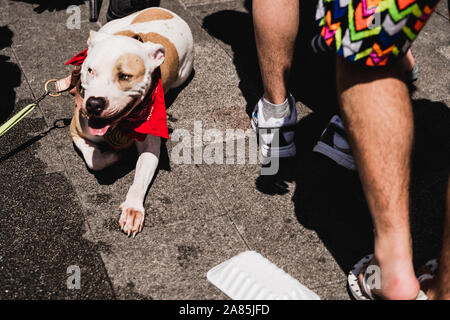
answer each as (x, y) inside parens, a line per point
(147, 118)
(78, 59)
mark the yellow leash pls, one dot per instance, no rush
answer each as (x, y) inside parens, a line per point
(25, 111)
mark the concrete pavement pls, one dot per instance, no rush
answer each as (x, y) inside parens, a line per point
(311, 219)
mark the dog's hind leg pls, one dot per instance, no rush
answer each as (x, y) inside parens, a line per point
(95, 159)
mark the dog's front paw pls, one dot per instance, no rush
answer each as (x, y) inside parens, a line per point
(132, 219)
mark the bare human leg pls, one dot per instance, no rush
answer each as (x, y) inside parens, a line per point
(276, 26)
(275, 33)
(376, 110)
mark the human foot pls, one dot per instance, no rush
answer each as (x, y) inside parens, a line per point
(371, 280)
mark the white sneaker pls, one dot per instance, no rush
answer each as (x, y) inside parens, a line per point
(268, 129)
(333, 144)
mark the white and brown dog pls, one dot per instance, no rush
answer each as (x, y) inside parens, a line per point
(128, 61)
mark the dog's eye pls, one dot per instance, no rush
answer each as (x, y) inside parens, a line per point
(138, 38)
(89, 70)
(124, 76)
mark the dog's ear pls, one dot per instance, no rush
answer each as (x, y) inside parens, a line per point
(155, 52)
(95, 37)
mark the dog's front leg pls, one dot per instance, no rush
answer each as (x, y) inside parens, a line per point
(132, 218)
(95, 159)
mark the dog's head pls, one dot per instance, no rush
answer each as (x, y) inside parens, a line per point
(116, 76)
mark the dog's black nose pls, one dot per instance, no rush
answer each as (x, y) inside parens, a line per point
(95, 105)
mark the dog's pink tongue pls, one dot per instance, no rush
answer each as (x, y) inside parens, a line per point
(99, 131)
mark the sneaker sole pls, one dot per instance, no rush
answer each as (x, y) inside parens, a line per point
(284, 152)
(340, 158)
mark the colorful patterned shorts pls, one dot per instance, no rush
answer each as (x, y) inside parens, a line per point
(372, 32)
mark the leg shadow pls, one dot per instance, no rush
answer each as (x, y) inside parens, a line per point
(430, 171)
(329, 199)
(236, 29)
(312, 77)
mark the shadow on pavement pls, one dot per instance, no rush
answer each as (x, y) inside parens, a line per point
(172, 95)
(431, 166)
(316, 90)
(57, 124)
(43, 229)
(236, 29)
(329, 199)
(41, 237)
(126, 164)
(14, 76)
(51, 5)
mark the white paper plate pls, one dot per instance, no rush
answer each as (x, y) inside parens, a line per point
(250, 276)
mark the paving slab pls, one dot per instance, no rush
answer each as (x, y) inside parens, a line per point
(443, 9)
(172, 262)
(429, 51)
(267, 221)
(237, 39)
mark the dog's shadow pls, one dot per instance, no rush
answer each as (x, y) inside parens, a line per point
(126, 164)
